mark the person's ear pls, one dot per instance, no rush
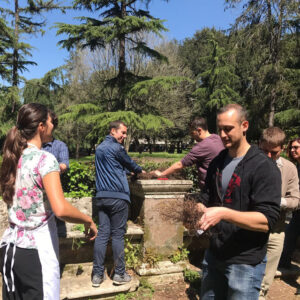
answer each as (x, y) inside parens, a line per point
(41, 127)
(113, 131)
(245, 126)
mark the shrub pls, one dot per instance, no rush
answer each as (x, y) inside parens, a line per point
(180, 254)
(79, 181)
(193, 277)
(133, 254)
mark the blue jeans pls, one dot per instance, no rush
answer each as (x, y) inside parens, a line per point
(292, 233)
(113, 214)
(230, 281)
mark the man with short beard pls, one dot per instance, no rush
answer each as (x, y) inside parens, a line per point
(242, 202)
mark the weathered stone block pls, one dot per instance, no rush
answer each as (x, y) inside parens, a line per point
(152, 201)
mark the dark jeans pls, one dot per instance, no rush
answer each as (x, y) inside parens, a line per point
(113, 214)
(291, 234)
(223, 281)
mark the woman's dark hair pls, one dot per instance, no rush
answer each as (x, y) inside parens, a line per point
(289, 146)
(29, 117)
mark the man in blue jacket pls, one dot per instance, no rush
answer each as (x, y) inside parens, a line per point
(112, 200)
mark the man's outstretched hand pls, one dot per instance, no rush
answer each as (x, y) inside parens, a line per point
(156, 173)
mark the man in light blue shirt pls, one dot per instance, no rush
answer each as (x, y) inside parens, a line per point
(60, 150)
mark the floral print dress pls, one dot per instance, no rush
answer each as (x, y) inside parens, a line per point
(30, 208)
(31, 221)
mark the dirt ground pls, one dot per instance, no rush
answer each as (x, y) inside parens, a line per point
(280, 290)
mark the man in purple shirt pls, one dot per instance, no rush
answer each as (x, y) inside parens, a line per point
(207, 148)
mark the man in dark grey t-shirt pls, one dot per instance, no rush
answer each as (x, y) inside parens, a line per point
(207, 148)
(229, 165)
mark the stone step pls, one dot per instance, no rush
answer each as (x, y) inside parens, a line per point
(76, 270)
(76, 249)
(81, 288)
(133, 230)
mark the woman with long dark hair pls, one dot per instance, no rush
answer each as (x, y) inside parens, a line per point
(293, 229)
(30, 186)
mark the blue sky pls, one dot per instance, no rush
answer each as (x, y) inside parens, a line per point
(183, 19)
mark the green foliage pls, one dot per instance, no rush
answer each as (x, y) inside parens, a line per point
(100, 122)
(8, 96)
(261, 31)
(219, 84)
(79, 181)
(123, 297)
(155, 123)
(180, 254)
(27, 19)
(77, 243)
(145, 291)
(191, 173)
(133, 254)
(193, 277)
(151, 166)
(146, 286)
(175, 156)
(6, 42)
(45, 90)
(151, 258)
(288, 117)
(78, 227)
(118, 25)
(156, 85)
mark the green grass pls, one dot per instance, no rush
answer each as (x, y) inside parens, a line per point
(84, 159)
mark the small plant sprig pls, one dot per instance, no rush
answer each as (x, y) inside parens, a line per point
(77, 243)
(151, 258)
(180, 254)
(78, 227)
(132, 254)
(192, 276)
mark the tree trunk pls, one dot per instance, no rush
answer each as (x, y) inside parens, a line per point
(128, 139)
(77, 144)
(15, 78)
(122, 61)
(272, 107)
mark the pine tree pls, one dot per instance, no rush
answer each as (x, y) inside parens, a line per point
(262, 25)
(6, 42)
(27, 19)
(116, 25)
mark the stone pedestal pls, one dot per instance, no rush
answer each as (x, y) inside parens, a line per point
(152, 204)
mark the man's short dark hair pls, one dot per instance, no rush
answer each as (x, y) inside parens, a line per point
(273, 136)
(54, 118)
(198, 122)
(242, 112)
(116, 125)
